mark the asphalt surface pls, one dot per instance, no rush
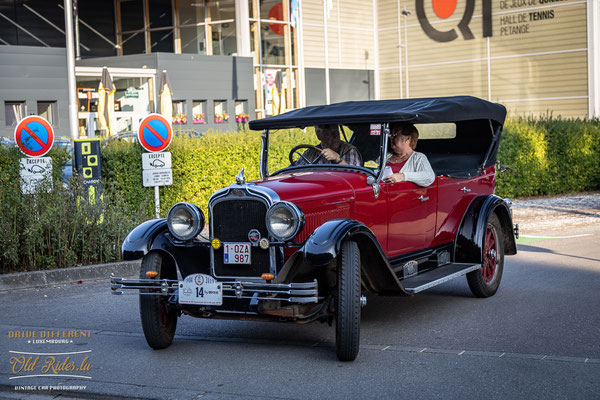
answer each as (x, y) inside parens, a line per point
(537, 338)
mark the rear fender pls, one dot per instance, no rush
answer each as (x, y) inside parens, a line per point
(323, 246)
(469, 240)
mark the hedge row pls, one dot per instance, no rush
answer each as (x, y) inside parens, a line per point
(58, 229)
(550, 156)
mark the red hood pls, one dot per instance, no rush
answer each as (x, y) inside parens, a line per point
(300, 187)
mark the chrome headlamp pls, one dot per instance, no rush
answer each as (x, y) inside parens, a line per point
(284, 220)
(185, 221)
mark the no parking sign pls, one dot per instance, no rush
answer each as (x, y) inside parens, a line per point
(34, 136)
(155, 133)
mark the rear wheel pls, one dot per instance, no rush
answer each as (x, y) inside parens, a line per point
(485, 281)
(158, 320)
(347, 327)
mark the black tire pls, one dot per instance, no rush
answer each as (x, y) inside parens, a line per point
(347, 327)
(485, 281)
(158, 321)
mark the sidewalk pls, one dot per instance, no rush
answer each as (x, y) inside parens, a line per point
(556, 215)
(24, 280)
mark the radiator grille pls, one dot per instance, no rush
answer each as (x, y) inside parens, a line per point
(231, 221)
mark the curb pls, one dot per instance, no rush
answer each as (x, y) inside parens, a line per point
(26, 280)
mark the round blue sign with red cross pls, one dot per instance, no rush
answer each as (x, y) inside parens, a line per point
(155, 133)
(34, 136)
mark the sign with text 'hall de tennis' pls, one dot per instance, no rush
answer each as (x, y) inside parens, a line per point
(155, 133)
(34, 136)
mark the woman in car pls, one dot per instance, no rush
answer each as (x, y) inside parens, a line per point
(405, 163)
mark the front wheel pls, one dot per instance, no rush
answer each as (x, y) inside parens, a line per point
(347, 329)
(158, 320)
(485, 281)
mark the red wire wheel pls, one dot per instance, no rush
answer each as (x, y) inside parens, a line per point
(485, 281)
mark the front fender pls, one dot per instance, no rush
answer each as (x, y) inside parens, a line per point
(139, 241)
(325, 243)
(469, 240)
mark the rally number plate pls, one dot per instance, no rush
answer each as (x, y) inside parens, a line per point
(236, 253)
(200, 289)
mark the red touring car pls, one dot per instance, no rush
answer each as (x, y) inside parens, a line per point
(305, 242)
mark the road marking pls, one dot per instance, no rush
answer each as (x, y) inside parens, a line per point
(385, 348)
(555, 237)
(389, 348)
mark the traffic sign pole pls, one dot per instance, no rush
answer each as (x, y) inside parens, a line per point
(156, 202)
(155, 134)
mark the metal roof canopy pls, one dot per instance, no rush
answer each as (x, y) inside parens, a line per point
(424, 110)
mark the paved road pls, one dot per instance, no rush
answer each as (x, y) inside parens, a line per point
(536, 338)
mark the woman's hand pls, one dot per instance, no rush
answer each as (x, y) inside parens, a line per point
(397, 177)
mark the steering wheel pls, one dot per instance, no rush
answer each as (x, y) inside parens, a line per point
(295, 149)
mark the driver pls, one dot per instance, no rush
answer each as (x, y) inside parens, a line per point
(334, 151)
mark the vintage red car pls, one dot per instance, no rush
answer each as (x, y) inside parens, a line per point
(306, 242)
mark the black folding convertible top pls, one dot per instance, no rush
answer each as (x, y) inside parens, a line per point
(427, 110)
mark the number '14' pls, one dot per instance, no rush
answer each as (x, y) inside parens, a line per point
(200, 292)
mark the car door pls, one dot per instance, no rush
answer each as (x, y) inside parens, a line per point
(411, 216)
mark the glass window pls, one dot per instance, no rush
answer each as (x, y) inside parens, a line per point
(191, 12)
(221, 10)
(132, 15)
(160, 13)
(134, 43)
(223, 39)
(14, 111)
(273, 45)
(199, 111)
(240, 111)
(193, 40)
(179, 116)
(47, 110)
(221, 115)
(271, 9)
(445, 130)
(162, 41)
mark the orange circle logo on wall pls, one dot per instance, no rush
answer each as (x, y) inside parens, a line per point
(444, 8)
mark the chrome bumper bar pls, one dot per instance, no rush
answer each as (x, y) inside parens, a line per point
(296, 292)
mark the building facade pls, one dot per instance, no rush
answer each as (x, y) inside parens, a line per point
(261, 57)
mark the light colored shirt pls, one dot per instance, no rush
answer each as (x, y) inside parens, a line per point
(417, 169)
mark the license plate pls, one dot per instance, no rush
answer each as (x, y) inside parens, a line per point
(200, 289)
(236, 253)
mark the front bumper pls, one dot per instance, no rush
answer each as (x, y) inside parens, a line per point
(295, 292)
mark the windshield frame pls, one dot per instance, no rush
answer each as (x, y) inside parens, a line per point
(374, 174)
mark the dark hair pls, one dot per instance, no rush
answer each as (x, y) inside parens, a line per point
(405, 129)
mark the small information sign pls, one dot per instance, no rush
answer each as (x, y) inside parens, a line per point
(36, 175)
(157, 177)
(154, 161)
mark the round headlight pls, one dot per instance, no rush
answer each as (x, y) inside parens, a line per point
(284, 220)
(185, 221)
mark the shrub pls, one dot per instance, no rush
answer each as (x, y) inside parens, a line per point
(550, 156)
(60, 228)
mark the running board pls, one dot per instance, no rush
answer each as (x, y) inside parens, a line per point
(437, 276)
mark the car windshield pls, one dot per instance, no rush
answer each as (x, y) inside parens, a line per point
(304, 147)
(452, 149)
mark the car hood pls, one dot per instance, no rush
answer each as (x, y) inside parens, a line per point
(319, 186)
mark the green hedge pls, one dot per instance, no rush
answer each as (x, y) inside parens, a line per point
(52, 230)
(550, 156)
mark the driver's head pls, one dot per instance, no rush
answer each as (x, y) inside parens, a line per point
(329, 135)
